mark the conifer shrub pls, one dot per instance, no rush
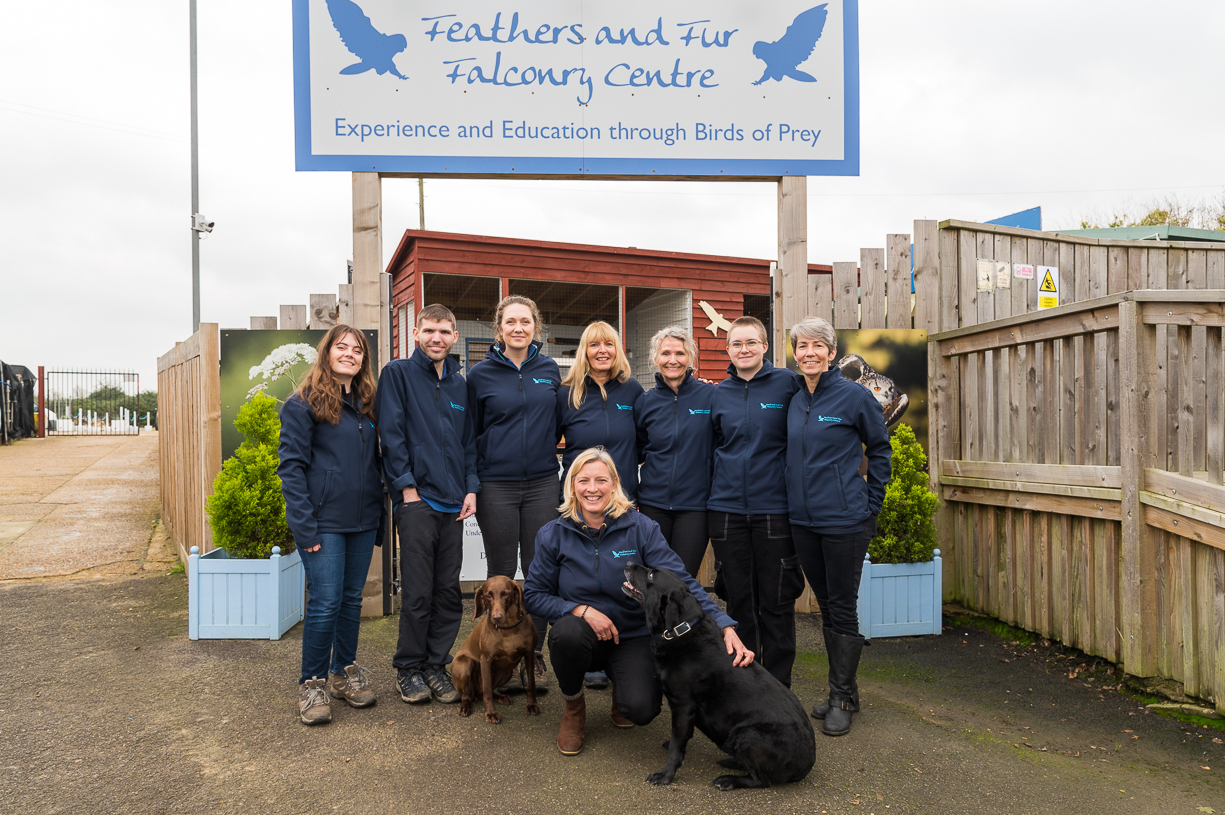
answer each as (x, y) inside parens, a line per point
(905, 532)
(247, 509)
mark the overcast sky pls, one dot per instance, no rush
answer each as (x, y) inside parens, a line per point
(970, 110)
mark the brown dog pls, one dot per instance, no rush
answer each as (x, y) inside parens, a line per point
(493, 650)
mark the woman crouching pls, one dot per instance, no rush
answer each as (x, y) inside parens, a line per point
(575, 583)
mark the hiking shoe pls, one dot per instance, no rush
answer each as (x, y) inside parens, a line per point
(412, 687)
(440, 684)
(542, 676)
(353, 686)
(314, 706)
(596, 680)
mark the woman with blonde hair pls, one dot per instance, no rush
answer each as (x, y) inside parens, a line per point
(331, 477)
(513, 397)
(575, 583)
(674, 445)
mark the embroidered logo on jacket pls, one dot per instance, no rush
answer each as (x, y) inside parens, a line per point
(457, 407)
(542, 381)
(625, 407)
(624, 553)
(821, 418)
(771, 406)
(696, 412)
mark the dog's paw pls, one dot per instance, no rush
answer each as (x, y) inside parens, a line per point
(465, 708)
(493, 717)
(661, 778)
(725, 782)
(533, 709)
(501, 699)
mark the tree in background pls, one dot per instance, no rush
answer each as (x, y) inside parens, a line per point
(1168, 211)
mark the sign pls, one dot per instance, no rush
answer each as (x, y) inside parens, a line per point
(577, 87)
(1023, 271)
(1048, 286)
(986, 274)
(1003, 280)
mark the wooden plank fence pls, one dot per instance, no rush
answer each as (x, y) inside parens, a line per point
(189, 436)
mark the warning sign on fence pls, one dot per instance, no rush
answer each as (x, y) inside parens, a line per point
(1048, 286)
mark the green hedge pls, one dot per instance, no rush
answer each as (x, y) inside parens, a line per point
(905, 532)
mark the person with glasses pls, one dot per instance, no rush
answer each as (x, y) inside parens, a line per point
(758, 572)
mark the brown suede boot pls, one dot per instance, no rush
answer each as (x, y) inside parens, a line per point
(573, 730)
(617, 718)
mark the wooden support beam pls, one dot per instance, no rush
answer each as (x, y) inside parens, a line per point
(1070, 474)
(1059, 504)
(294, 318)
(323, 311)
(1082, 322)
(263, 323)
(367, 248)
(344, 304)
(793, 248)
(897, 262)
(926, 277)
(846, 295)
(1033, 487)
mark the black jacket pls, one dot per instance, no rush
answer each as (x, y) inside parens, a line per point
(330, 473)
(514, 414)
(426, 430)
(674, 445)
(607, 422)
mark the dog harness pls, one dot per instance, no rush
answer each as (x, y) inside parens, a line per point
(680, 631)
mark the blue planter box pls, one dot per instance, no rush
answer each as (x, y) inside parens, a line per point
(900, 599)
(243, 598)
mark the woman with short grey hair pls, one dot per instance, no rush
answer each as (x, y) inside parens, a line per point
(675, 437)
(831, 422)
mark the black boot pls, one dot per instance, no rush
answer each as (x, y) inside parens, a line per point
(820, 710)
(843, 690)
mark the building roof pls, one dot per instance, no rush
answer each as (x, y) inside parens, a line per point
(1162, 232)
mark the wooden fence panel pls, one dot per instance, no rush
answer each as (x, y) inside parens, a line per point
(897, 249)
(872, 288)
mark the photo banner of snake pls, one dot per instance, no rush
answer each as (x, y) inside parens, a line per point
(892, 364)
(266, 361)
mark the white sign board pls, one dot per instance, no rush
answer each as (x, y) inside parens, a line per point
(474, 567)
(577, 87)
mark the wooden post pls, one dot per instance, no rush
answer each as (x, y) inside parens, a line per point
(344, 304)
(367, 248)
(792, 260)
(209, 401)
(294, 317)
(323, 311)
(263, 323)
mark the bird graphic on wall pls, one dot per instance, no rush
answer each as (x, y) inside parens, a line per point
(893, 402)
(374, 48)
(717, 320)
(784, 57)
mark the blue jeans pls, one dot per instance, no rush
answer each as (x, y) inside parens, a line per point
(335, 575)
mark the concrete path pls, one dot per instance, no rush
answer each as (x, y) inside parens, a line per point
(80, 505)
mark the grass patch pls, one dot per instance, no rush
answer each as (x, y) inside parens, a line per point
(1000, 629)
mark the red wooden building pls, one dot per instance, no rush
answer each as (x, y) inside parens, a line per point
(638, 291)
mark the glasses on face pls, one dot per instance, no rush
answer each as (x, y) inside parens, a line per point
(752, 345)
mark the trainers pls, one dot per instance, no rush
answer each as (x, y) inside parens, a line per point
(596, 680)
(412, 687)
(353, 686)
(542, 676)
(440, 684)
(314, 706)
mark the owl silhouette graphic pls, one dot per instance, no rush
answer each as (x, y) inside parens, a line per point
(784, 56)
(372, 47)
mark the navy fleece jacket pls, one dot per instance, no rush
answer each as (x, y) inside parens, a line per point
(603, 421)
(329, 473)
(674, 445)
(571, 568)
(426, 430)
(750, 427)
(828, 432)
(514, 414)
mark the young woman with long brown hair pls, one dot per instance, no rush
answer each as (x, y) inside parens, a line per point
(331, 477)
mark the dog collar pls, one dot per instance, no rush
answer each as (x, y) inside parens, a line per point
(680, 631)
(508, 627)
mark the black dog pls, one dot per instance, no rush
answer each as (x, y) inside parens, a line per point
(745, 711)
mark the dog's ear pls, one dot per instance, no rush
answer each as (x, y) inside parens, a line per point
(479, 602)
(672, 608)
(516, 594)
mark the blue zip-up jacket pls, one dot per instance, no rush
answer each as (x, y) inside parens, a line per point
(675, 438)
(570, 569)
(750, 426)
(514, 414)
(828, 432)
(607, 422)
(426, 430)
(330, 474)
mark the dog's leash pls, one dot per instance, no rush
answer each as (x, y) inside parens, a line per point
(522, 617)
(677, 632)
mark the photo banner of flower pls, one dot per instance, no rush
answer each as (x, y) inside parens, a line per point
(263, 361)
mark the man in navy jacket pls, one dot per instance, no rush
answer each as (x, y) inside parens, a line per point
(759, 574)
(429, 457)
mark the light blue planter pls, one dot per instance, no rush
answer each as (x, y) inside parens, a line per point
(900, 599)
(243, 598)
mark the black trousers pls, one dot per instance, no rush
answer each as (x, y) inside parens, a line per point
(510, 513)
(431, 553)
(574, 649)
(761, 576)
(686, 532)
(833, 565)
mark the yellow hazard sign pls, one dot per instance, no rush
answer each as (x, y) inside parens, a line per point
(1048, 289)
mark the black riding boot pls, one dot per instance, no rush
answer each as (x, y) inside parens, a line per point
(843, 690)
(820, 710)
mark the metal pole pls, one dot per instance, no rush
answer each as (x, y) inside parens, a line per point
(195, 179)
(42, 402)
(420, 199)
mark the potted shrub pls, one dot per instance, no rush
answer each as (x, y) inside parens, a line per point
(252, 585)
(900, 592)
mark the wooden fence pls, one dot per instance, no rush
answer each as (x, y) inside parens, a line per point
(189, 433)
